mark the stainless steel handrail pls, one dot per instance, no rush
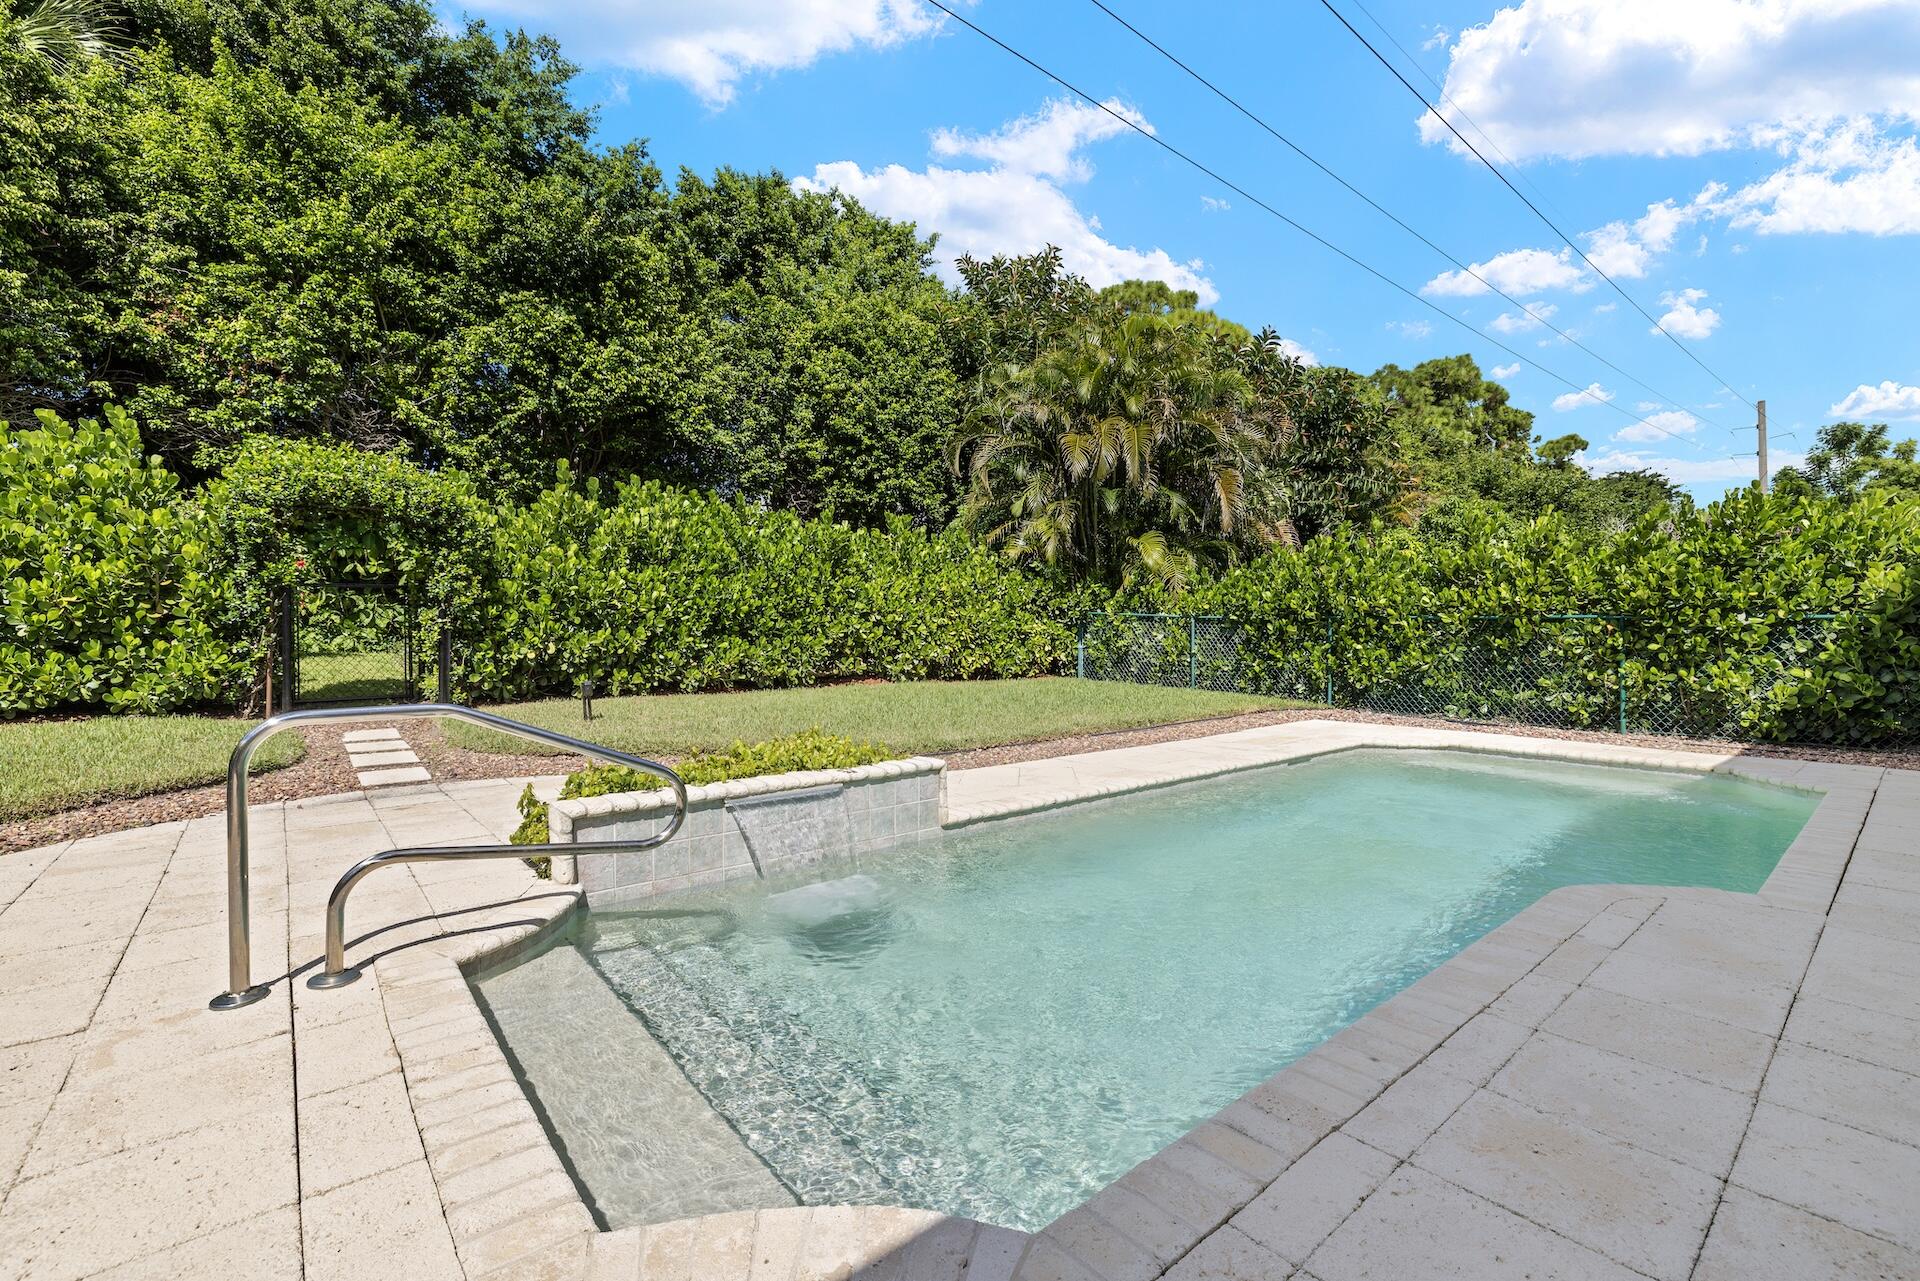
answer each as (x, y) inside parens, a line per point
(241, 990)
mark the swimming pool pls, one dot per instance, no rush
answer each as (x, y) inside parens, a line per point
(999, 1024)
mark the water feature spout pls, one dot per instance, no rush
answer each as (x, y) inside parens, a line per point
(787, 831)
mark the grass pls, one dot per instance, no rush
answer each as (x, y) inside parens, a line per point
(372, 677)
(57, 765)
(911, 718)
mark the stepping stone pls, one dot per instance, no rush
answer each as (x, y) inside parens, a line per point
(397, 774)
(368, 735)
(401, 755)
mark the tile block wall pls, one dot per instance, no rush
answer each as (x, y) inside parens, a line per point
(894, 803)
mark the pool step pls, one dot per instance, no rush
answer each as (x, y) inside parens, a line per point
(824, 1128)
(884, 1126)
(801, 1142)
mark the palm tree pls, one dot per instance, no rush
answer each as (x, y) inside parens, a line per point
(67, 32)
(1123, 448)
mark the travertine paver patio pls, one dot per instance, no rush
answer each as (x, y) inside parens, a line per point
(1623, 1081)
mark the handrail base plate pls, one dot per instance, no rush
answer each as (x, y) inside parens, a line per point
(323, 980)
(234, 1000)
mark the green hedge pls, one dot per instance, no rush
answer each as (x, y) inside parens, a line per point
(108, 602)
(662, 589)
(1715, 620)
(124, 595)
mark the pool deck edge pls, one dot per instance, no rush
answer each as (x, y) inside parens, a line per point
(1513, 1112)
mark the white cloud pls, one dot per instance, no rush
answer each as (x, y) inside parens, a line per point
(1213, 204)
(1014, 206)
(1506, 371)
(1674, 422)
(1622, 249)
(1683, 319)
(1438, 39)
(710, 45)
(1647, 406)
(1649, 77)
(1594, 393)
(1298, 352)
(1530, 318)
(1411, 328)
(1625, 250)
(1888, 400)
(1048, 142)
(1683, 471)
(1517, 272)
(1847, 178)
(1606, 307)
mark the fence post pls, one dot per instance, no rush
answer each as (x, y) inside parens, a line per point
(287, 660)
(1621, 681)
(1193, 651)
(443, 686)
(1329, 698)
(1080, 649)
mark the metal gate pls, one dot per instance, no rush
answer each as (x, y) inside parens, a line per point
(348, 643)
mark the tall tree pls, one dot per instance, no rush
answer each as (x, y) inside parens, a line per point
(1849, 458)
(1120, 452)
(1158, 298)
(1332, 462)
(833, 380)
(1446, 404)
(1473, 458)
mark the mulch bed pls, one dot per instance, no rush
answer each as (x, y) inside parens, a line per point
(325, 770)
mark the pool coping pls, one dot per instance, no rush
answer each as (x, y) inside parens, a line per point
(481, 1132)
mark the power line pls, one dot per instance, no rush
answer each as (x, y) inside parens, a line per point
(1495, 171)
(1289, 143)
(1460, 111)
(1314, 236)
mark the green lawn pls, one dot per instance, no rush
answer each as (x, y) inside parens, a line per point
(48, 766)
(55, 765)
(377, 676)
(925, 716)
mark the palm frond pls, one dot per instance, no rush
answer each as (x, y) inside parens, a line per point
(67, 33)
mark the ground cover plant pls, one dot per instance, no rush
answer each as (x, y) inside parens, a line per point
(810, 749)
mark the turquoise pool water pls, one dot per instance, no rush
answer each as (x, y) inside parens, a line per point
(1001, 1023)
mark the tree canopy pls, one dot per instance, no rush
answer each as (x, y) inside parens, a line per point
(341, 222)
(1849, 459)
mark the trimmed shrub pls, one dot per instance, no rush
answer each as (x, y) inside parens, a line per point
(663, 589)
(810, 749)
(1712, 619)
(109, 600)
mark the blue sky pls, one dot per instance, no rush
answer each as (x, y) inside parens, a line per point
(1747, 170)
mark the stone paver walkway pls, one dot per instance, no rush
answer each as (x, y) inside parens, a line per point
(381, 758)
(1622, 1082)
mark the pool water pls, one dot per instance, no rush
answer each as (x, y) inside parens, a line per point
(999, 1024)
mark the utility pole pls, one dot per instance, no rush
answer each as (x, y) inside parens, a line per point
(1766, 478)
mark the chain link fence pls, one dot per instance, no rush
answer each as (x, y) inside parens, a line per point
(1751, 681)
(358, 642)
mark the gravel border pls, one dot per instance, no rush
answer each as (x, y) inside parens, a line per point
(325, 769)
